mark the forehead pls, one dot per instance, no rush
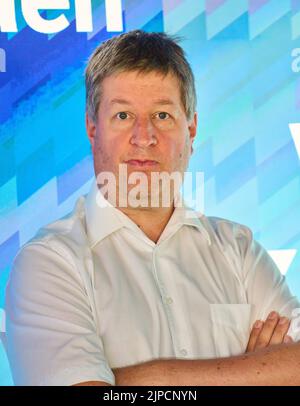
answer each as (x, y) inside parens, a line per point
(142, 87)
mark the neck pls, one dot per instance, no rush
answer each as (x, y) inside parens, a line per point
(151, 221)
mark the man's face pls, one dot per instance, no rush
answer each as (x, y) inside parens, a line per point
(141, 117)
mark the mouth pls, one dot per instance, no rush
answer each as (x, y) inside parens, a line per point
(142, 163)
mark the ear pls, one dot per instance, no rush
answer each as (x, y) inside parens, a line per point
(90, 129)
(193, 129)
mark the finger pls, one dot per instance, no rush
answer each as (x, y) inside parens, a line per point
(267, 331)
(280, 331)
(288, 339)
(256, 329)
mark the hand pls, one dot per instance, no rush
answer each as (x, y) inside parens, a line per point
(271, 332)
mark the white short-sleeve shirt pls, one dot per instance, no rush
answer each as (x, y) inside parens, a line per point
(91, 292)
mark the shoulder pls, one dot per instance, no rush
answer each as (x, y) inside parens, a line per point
(228, 234)
(56, 250)
(225, 228)
(65, 236)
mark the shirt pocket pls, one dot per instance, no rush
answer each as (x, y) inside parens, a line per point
(231, 326)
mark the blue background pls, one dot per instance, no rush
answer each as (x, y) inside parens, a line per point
(248, 95)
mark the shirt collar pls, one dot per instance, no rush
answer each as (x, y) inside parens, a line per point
(103, 218)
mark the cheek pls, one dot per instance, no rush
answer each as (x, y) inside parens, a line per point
(102, 151)
(180, 150)
(182, 155)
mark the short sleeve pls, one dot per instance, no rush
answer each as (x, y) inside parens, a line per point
(51, 334)
(266, 287)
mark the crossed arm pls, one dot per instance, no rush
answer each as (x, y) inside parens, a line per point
(273, 366)
(271, 358)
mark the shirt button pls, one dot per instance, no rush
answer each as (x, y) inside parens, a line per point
(183, 352)
(169, 300)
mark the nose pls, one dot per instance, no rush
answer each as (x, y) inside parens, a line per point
(143, 134)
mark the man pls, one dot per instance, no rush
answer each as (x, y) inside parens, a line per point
(141, 294)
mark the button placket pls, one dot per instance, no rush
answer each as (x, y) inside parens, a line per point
(183, 352)
(179, 347)
(169, 300)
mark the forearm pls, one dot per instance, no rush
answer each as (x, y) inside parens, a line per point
(277, 365)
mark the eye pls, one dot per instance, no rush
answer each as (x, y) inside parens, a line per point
(122, 115)
(163, 115)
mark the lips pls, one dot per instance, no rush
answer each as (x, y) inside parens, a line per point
(141, 162)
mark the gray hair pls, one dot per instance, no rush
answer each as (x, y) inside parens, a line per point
(143, 52)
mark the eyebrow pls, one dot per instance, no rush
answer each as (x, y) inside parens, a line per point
(163, 102)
